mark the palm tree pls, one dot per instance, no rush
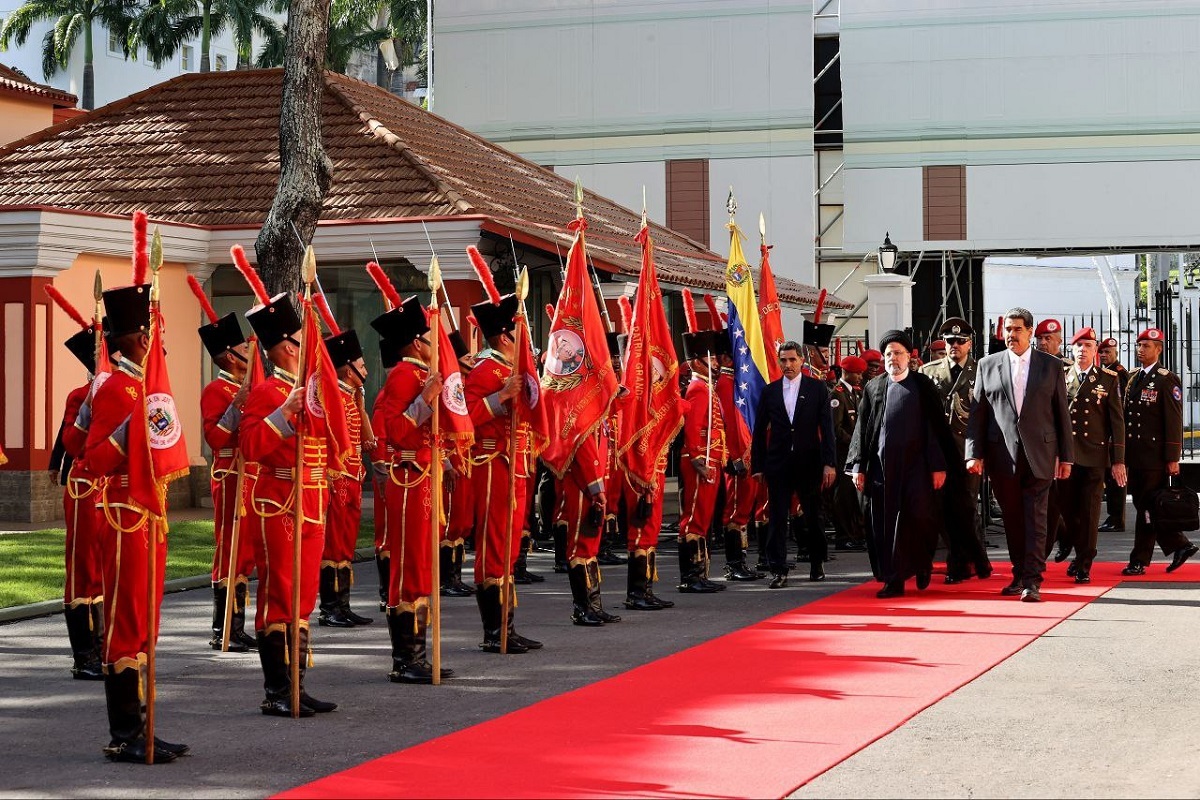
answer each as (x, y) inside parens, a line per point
(351, 29)
(405, 21)
(70, 17)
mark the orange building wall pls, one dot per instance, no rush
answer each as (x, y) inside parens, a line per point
(20, 117)
(181, 315)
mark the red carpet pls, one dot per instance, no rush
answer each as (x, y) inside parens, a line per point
(821, 682)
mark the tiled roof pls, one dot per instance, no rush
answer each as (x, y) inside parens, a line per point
(17, 82)
(202, 149)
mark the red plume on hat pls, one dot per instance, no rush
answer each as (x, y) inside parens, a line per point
(549, 311)
(485, 274)
(205, 305)
(385, 285)
(141, 256)
(711, 302)
(250, 274)
(626, 313)
(62, 303)
(326, 314)
(820, 306)
(689, 311)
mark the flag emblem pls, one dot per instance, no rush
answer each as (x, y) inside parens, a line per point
(312, 396)
(737, 274)
(566, 353)
(453, 396)
(165, 429)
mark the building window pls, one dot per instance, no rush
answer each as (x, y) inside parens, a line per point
(222, 63)
(186, 58)
(114, 44)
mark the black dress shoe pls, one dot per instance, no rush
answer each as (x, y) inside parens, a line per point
(1082, 576)
(171, 747)
(1134, 568)
(493, 646)
(1182, 555)
(1060, 555)
(848, 546)
(319, 706)
(606, 617)
(953, 578)
(895, 589)
(738, 572)
(335, 620)
(983, 570)
(283, 708)
(585, 618)
(923, 578)
(357, 619)
(1072, 569)
(716, 587)
(1012, 590)
(524, 641)
(454, 590)
(1031, 594)
(653, 598)
(778, 582)
(135, 753)
(638, 603)
(1110, 527)
(816, 574)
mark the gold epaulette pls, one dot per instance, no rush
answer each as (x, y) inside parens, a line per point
(1162, 371)
(1108, 371)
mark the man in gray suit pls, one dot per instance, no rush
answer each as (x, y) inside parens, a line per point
(1020, 427)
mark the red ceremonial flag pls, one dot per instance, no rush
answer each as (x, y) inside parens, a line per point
(769, 315)
(652, 413)
(325, 414)
(579, 384)
(103, 368)
(531, 411)
(455, 420)
(156, 450)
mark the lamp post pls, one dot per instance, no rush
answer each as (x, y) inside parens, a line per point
(888, 253)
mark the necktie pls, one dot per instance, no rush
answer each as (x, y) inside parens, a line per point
(1019, 385)
(955, 371)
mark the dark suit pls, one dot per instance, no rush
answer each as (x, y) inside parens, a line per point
(791, 453)
(1020, 453)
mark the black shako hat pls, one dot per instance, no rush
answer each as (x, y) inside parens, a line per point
(275, 321)
(402, 324)
(495, 319)
(83, 346)
(702, 343)
(128, 310)
(389, 353)
(459, 344)
(818, 335)
(343, 348)
(221, 335)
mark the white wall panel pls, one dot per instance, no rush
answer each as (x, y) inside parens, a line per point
(14, 375)
(622, 183)
(883, 200)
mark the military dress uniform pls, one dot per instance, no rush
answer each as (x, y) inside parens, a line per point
(490, 478)
(1153, 439)
(381, 457)
(703, 439)
(271, 490)
(220, 418)
(847, 509)
(460, 502)
(586, 479)
(1114, 495)
(1098, 424)
(83, 587)
(345, 499)
(741, 489)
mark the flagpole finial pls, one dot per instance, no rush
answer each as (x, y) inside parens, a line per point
(644, 205)
(731, 204)
(762, 227)
(98, 289)
(578, 198)
(310, 265)
(435, 281)
(523, 286)
(156, 261)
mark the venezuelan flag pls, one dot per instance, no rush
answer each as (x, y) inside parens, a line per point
(745, 330)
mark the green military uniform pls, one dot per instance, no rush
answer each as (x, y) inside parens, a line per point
(845, 507)
(1114, 495)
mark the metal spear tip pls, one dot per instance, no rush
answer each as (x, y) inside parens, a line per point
(156, 251)
(578, 197)
(762, 226)
(435, 279)
(523, 284)
(98, 288)
(310, 264)
(731, 203)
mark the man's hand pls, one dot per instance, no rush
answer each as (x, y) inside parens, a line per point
(828, 476)
(758, 476)
(600, 500)
(1173, 468)
(511, 387)
(939, 480)
(450, 477)
(975, 466)
(295, 401)
(1062, 471)
(433, 388)
(701, 465)
(860, 480)
(1120, 475)
(239, 399)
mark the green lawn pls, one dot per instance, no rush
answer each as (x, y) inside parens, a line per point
(31, 564)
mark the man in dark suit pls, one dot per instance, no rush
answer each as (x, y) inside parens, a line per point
(794, 451)
(1020, 427)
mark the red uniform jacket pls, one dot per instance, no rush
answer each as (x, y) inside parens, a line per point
(696, 427)
(353, 463)
(490, 415)
(220, 421)
(401, 415)
(104, 451)
(737, 434)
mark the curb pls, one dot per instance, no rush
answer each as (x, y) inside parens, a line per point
(48, 608)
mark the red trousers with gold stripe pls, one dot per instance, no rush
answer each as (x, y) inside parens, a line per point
(583, 539)
(461, 511)
(380, 511)
(225, 507)
(409, 539)
(126, 544)
(698, 501)
(741, 494)
(493, 514)
(342, 522)
(84, 557)
(644, 537)
(271, 525)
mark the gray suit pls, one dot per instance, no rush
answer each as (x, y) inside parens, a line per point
(1020, 453)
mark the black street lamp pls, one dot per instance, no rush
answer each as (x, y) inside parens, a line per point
(888, 254)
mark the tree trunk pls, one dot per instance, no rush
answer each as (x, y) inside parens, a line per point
(89, 72)
(305, 171)
(205, 37)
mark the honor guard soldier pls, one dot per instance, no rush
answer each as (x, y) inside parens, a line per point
(272, 487)
(129, 544)
(1153, 444)
(847, 511)
(346, 484)
(83, 587)
(1098, 424)
(1114, 495)
(491, 390)
(381, 458)
(702, 462)
(221, 403)
(954, 379)
(404, 409)
(461, 504)
(740, 489)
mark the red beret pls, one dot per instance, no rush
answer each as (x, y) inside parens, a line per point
(937, 344)
(853, 364)
(1152, 334)
(872, 355)
(1083, 333)
(1109, 342)
(1047, 326)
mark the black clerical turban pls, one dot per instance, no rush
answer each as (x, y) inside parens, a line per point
(896, 336)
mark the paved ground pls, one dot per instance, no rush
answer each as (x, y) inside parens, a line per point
(1106, 690)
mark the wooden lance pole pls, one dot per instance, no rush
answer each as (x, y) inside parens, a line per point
(235, 535)
(506, 589)
(310, 274)
(435, 469)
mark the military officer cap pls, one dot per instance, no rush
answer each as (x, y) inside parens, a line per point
(1083, 334)
(853, 364)
(956, 328)
(1109, 342)
(405, 322)
(1152, 335)
(872, 355)
(1047, 326)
